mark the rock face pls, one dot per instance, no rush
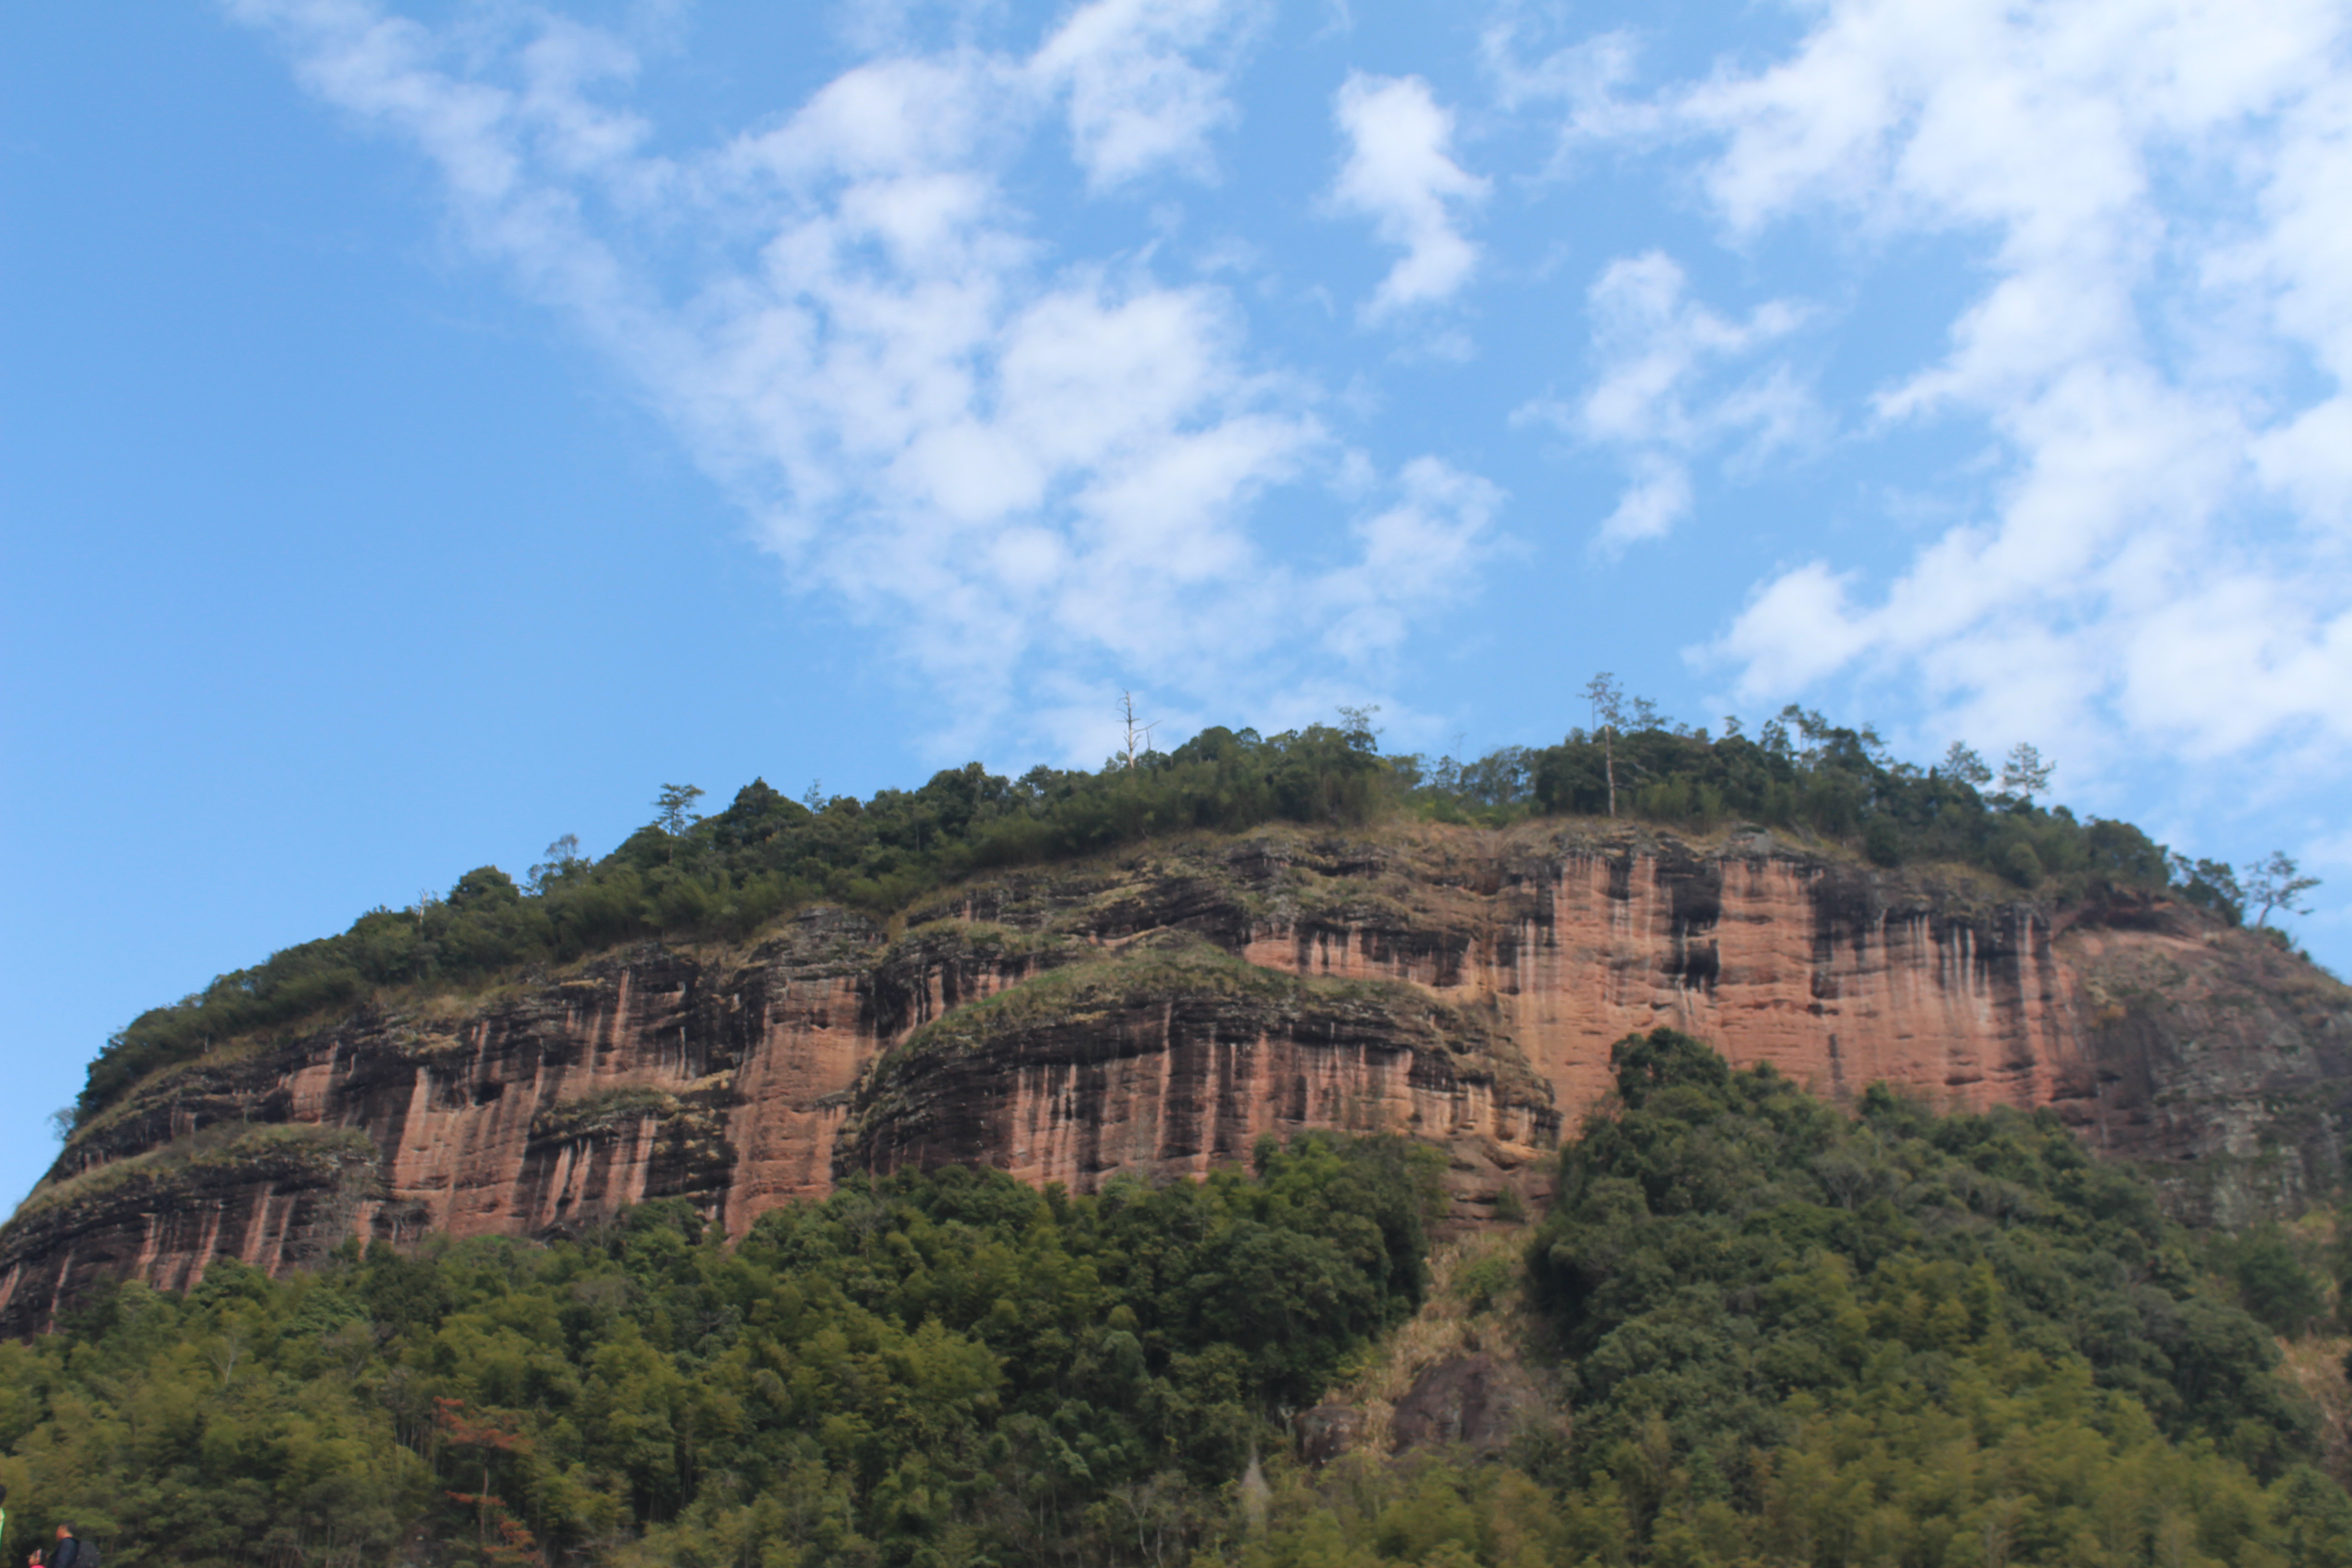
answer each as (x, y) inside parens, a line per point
(1172, 1055)
(1475, 1401)
(1159, 1011)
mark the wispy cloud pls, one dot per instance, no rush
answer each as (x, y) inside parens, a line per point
(1587, 78)
(1418, 553)
(1661, 395)
(2159, 188)
(1030, 465)
(1399, 172)
(1139, 99)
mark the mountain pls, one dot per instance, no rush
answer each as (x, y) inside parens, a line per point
(1159, 1006)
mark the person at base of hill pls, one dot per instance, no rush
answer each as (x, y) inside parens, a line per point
(68, 1553)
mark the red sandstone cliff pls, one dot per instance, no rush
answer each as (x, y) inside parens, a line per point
(1159, 1011)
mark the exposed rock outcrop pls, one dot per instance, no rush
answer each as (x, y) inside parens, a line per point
(1158, 1012)
(1170, 1055)
(1476, 1402)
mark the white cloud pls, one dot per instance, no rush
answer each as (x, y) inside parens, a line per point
(1657, 398)
(1026, 467)
(1399, 174)
(1418, 553)
(1795, 631)
(1137, 99)
(1658, 498)
(1587, 77)
(2165, 535)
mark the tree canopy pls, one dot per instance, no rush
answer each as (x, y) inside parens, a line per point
(1789, 1335)
(1784, 1334)
(728, 875)
(953, 1369)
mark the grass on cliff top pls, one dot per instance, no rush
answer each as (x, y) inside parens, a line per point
(226, 1145)
(986, 940)
(739, 873)
(606, 1107)
(1152, 969)
(1424, 856)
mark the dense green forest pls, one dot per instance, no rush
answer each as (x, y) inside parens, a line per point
(1785, 1334)
(952, 1370)
(727, 874)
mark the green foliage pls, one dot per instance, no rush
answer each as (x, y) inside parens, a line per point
(2276, 883)
(729, 875)
(228, 1424)
(1728, 1239)
(1795, 1337)
(674, 810)
(1865, 1337)
(956, 1368)
(1440, 1514)
(1804, 773)
(2271, 1278)
(2024, 773)
(1790, 1336)
(2210, 885)
(1976, 1474)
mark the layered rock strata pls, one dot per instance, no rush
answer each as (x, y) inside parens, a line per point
(1159, 1011)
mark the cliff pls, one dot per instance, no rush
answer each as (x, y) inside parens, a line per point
(1159, 1011)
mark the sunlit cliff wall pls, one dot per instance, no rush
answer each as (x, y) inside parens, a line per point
(1159, 1011)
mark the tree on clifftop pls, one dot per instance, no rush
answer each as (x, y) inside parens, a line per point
(2272, 884)
(1608, 699)
(2024, 773)
(675, 808)
(1962, 762)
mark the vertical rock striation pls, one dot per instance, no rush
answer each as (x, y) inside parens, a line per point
(1158, 1012)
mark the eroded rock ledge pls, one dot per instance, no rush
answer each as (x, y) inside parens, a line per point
(1157, 1012)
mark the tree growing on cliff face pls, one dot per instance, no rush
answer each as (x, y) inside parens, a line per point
(2272, 884)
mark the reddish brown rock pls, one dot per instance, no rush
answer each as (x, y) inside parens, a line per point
(1159, 1011)
(1169, 1056)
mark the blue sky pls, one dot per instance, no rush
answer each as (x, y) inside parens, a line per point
(426, 429)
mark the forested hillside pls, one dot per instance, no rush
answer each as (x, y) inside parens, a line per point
(729, 875)
(1783, 1334)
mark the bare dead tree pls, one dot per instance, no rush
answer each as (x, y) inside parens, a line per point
(1135, 731)
(1608, 699)
(226, 1352)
